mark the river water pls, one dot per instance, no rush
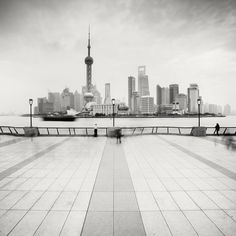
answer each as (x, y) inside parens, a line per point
(229, 121)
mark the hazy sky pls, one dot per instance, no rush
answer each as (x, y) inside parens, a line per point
(43, 44)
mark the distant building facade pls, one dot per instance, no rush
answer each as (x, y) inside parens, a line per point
(78, 101)
(67, 100)
(165, 96)
(181, 99)
(158, 97)
(227, 109)
(135, 103)
(107, 99)
(44, 107)
(174, 91)
(146, 105)
(143, 85)
(131, 90)
(104, 109)
(193, 95)
(55, 98)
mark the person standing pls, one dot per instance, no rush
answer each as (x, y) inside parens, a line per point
(118, 136)
(95, 130)
(217, 129)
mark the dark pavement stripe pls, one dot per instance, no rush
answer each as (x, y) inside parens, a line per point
(113, 208)
(12, 141)
(212, 164)
(21, 164)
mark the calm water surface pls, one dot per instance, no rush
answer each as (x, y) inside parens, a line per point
(128, 122)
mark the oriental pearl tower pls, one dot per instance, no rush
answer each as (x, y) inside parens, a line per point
(88, 96)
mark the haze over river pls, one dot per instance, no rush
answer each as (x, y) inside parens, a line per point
(229, 121)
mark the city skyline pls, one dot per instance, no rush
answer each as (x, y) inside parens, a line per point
(179, 42)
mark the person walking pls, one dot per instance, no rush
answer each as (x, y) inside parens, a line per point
(217, 129)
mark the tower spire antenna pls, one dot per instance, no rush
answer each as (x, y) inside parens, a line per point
(89, 41)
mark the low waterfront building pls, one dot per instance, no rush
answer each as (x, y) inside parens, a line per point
(146, 105)
(104, 109)
(166, 109)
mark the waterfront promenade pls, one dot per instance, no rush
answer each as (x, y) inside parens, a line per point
(147, 185)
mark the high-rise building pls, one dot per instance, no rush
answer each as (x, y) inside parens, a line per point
(131, 89)
(146, 105)
(44, 106)
(193, 95)
(107, 99)
(174, 91)
(227, 109)
(78, 101)
(165, 96)
(135, 102)
(88, 95)
(213, 109)
(143, 85)
(181, 99)
(158, 94)
(158, 97)
(55, 98)
(67, 100)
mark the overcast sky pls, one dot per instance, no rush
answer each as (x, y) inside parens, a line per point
(43, 44)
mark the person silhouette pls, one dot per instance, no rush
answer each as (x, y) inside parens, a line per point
(95, 130)
(118, 136)
(217, 129)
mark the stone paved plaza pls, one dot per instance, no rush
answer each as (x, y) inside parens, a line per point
(147, 185)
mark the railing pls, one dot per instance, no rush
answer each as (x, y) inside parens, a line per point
(102, 131)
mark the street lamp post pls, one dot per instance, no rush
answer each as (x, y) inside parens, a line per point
(198, 103)
(31, 103)
(113, 111)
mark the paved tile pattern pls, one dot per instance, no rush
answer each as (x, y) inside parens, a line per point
(148, 185)
(178, 194)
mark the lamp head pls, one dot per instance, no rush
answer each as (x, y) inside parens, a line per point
(30, 101)
(198, 101)
(113, 101)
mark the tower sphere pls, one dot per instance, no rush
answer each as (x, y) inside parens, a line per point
(88, 60)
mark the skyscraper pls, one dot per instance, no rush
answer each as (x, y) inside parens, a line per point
(193, 95)
(158, 97)
(107, 99)
(135, 102)
(88, 95)
(165, 96)
(131, 89)
(143, 85)
(174, 91)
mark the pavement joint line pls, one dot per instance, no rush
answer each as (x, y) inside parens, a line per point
(211, 164)
(34, 157)
(12, 141)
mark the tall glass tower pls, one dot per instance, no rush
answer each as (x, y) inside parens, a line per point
(143, 85)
